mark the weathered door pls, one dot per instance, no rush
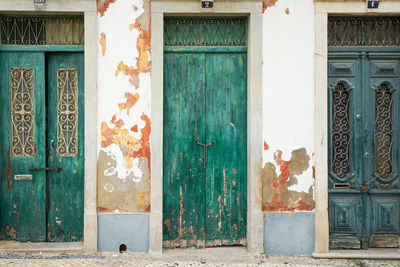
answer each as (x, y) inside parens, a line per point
(41, 146)
(205, 141)
(364, 135)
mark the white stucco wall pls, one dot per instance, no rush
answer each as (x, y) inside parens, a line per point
(123, 99)
(288, 83)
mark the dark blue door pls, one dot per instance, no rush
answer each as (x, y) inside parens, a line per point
(364, 140)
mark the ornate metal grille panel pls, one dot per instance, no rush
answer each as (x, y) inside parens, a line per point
(383, 131)
(364, 31)
(340, 131)
(205, 32)
(67, 133)
(22, 113)
(37, 30)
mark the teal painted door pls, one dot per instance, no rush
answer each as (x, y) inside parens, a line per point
(205, 149)
(42, 146)
(364, 140)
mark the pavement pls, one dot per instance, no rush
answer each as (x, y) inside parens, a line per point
(178, 257)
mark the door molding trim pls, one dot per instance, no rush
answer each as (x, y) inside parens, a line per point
(252, 9)
(89, 10)
(322, 9)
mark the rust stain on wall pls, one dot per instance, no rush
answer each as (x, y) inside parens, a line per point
(102, 6)
(103, 43)
(276, 195)
(268, 3)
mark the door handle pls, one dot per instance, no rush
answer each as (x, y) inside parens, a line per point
(57, 169)
(51, 145)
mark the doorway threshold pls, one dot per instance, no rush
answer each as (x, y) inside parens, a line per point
(372, 253)
(11, 246)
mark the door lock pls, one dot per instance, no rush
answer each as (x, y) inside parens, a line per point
(358, 116)
(366, 154)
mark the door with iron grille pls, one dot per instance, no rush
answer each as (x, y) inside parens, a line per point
(42, 136)
(205, 125)
(364, 132)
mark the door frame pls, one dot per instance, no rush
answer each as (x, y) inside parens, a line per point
(253, 10)
(89, 10)
(324, 8)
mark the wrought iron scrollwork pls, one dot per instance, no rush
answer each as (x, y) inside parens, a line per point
(383, 131)
(363, 31)
(22, 113)
(205, 31)
(67, 133)
(340, 135)
(41, 30)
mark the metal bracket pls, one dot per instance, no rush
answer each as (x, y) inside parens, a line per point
(205, 150)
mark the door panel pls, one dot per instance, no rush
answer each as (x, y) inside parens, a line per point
(22, 146)
(205, 96)
(49, 207)
(368, 188)
(226, 125)
(382, 173)
(65, 142)
(183, 166)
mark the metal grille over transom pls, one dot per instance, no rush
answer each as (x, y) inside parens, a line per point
(205, 32)
(364, 31)
(67, 140)
(22, 113)
(41, 30)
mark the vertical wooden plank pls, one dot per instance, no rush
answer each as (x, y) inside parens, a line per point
(183, 168)
(22, 202)
(65, 188)
(226, 125)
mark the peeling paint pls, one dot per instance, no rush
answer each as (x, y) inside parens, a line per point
(102, 6)
(134, 128)
(267, 4)
(103, 43)
(124, 159)
(276, 193)
(130, 102)
(181, 229)
(266, 146)
(167, 222)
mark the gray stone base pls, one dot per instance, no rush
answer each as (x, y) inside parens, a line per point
(129, 229)
(289, 233)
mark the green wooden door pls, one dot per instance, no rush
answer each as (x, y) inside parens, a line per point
(205, 148)
(42, 146)
(22, 139)
(364, 140)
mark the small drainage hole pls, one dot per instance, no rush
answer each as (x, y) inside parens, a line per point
(122, 248)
